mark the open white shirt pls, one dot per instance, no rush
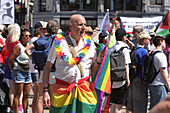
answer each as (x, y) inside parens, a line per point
(71, 73)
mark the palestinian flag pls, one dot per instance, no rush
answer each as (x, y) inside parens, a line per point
(163, 28)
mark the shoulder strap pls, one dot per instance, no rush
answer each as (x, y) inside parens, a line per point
(155, 52)
(74, 53)
(153, 57)
(121, 49)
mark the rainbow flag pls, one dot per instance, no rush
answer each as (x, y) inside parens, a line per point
(18, 8)
(101, 78)
(84, 100)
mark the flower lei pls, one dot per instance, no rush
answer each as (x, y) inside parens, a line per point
(61, 54)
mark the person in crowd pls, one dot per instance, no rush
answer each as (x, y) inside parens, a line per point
(72, 78)
(11, 42)
(167, 52)
(41, 43)
(3, 51)
(151, 45)
(39, 29)
(2, 27)
(136, 30)
(103, 37)
(19, 66)
(112, 40)
(3, 54)
(138, 91)
(88, 30)
(119, 90)
(157, 88)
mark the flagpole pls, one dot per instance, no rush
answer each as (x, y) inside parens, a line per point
(111, 28)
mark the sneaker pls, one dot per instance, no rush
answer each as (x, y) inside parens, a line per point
(11, 111)
(20, 111)
(8, 109)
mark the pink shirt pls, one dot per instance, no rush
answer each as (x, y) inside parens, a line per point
(167, 55)
(10, 47)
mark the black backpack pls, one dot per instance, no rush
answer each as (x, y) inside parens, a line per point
(117, 62)
(134, 66)
(150, 72)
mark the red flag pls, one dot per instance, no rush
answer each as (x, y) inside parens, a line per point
(166, 22)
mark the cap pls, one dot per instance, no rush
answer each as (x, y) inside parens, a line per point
(144, 35)
(88, 29)
(120, 32)
(40, 24)
(103, 34)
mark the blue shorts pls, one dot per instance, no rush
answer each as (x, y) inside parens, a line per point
(7, 71)
(19, 76)
(34, 77)
(157, 94)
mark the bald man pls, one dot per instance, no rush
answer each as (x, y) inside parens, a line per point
(72, 91)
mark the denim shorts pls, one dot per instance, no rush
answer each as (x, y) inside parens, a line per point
(34, 77)
(19, 76)
(157, 94)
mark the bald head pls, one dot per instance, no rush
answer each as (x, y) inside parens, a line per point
(75, 18)
(77, 25)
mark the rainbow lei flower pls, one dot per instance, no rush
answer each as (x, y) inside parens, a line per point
(61, 54)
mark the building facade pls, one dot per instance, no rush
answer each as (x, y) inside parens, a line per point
(94, 10)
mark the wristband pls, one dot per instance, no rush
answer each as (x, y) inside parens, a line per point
(44, 88)
(45, 91)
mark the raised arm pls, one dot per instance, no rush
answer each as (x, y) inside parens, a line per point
(29, 49)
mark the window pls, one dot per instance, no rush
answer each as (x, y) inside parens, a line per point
(78, 5)
(91, 22)
(64, 23)
(123, 5)
(156, 2)
(46, 5)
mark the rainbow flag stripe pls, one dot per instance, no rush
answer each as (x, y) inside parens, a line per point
(18, 8)
(102, 76)
(83, 100)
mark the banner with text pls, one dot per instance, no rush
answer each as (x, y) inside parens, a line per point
(6, 11)
(148, 23)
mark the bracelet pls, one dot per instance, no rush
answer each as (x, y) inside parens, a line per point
(44, 88)
(45, 91)
(97, 62)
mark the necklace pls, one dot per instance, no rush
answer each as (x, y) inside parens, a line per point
(63, 56)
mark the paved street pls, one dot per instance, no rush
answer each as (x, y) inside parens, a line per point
(30, 104)
(47, 111)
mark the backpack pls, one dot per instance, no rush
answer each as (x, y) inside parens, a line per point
(134, 66)
(117, 62)
(150, 72)
(40, 52)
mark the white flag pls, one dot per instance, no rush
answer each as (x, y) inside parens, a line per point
(6, 11)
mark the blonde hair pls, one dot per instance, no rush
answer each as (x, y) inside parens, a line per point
(14, 32)
(143, 35)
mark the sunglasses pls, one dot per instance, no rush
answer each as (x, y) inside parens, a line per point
(27, 35)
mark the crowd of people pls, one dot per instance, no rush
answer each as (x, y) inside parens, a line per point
(63, 81)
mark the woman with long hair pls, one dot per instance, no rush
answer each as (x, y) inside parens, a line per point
(21, 77)
(11, 41)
